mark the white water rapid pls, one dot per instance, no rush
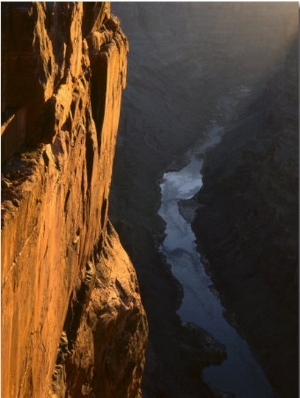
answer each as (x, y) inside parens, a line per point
(239, 373)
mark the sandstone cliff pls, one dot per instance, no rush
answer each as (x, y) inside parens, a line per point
(72, 319)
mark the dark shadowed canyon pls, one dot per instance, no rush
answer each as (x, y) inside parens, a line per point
(149, 236)
(195, 68)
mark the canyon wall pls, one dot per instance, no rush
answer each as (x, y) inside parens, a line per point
(192, 66)
(247, 223)
(72, 319)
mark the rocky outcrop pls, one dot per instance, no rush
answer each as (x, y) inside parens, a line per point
(247, 224)
(72, 319)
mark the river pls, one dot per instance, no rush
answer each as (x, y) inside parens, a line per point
(239, 373)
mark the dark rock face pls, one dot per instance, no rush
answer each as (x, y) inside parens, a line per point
(247, 225)
(73, 324)
(185, 60)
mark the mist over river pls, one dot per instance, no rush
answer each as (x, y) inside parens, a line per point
(239, 373)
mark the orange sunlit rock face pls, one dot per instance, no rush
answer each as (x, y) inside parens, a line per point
(72, 318)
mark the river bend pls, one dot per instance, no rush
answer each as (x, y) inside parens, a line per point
(239, 373)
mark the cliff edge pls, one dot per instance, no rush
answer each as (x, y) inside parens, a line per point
(72, 319)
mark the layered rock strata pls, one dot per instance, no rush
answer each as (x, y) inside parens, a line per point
(72, 319)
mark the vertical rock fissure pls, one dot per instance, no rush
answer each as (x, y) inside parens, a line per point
(98, 92)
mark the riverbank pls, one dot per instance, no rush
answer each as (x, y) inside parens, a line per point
(176, 353)
(239, 373)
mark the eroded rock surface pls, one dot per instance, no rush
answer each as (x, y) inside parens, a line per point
(72, 319)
